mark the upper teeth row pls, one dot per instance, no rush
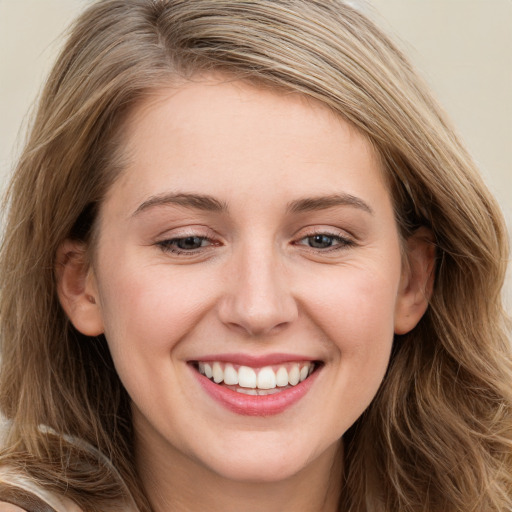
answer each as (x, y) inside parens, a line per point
(264, 378)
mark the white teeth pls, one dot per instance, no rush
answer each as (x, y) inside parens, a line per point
(230, 375)
(266, 378)
(294, 375)
(282, 377)
(247, 377)
(218, 374)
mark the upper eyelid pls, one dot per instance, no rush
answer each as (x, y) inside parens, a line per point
(321, 230)
(212, 235)
(206, 232)
(324, 233)
(186, 231)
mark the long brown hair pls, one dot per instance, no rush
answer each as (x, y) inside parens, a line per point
(438, 436)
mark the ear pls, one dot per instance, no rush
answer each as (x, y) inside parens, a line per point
(76, 288)
(417, 282)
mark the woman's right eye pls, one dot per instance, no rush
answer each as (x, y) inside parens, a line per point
(186, 244)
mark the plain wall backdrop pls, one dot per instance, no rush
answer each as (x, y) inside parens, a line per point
(462, 47)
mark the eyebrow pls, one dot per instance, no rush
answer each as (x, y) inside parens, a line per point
(211, 204)
(193, 201)
(308, 204)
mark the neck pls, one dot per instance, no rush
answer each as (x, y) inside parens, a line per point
(173, 481)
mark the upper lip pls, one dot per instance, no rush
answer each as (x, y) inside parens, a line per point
(254, 361)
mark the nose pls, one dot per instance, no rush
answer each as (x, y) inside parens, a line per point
(258, 299)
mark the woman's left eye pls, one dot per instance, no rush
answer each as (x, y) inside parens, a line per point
(323, 241)
(185, 244)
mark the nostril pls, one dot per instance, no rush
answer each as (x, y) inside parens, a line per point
(257, 319)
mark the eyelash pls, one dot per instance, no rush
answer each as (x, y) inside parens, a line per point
(342, 242)
(171, 245)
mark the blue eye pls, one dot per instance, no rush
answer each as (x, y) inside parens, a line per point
(189, 243)
(325, 241)
(321, 241)
(185, 244)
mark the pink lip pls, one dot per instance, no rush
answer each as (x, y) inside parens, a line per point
(259, 405)
(254, 361)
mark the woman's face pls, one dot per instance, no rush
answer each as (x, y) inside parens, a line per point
(251, 239)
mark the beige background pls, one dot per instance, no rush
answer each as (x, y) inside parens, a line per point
(463, 48)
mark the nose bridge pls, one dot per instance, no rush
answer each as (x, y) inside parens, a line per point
(259, 299)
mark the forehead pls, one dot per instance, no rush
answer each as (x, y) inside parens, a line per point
(224, 135)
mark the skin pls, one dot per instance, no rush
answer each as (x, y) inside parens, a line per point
(256, 286)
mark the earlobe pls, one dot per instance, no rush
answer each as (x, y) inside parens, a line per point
(417, 281)
(76, 288)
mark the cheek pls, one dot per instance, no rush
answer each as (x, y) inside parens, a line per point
(355, 308)
(147, 314)
(151, 309)
(356, 314)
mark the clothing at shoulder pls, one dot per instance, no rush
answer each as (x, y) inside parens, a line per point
(19, 492)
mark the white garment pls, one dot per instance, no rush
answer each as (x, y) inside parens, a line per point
(13, 478)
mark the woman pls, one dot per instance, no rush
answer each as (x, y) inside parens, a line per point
(249, 266)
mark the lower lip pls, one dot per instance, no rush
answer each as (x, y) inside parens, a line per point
(256, 405)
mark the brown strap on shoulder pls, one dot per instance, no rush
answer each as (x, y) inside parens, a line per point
(23, 499)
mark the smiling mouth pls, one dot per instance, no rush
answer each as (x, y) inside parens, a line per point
(266, 380)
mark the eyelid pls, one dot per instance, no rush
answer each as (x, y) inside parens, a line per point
(313, 230)
(165, 240)
(185, 230)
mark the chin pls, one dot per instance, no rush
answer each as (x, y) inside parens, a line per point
(264, 464)
(264, 470)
